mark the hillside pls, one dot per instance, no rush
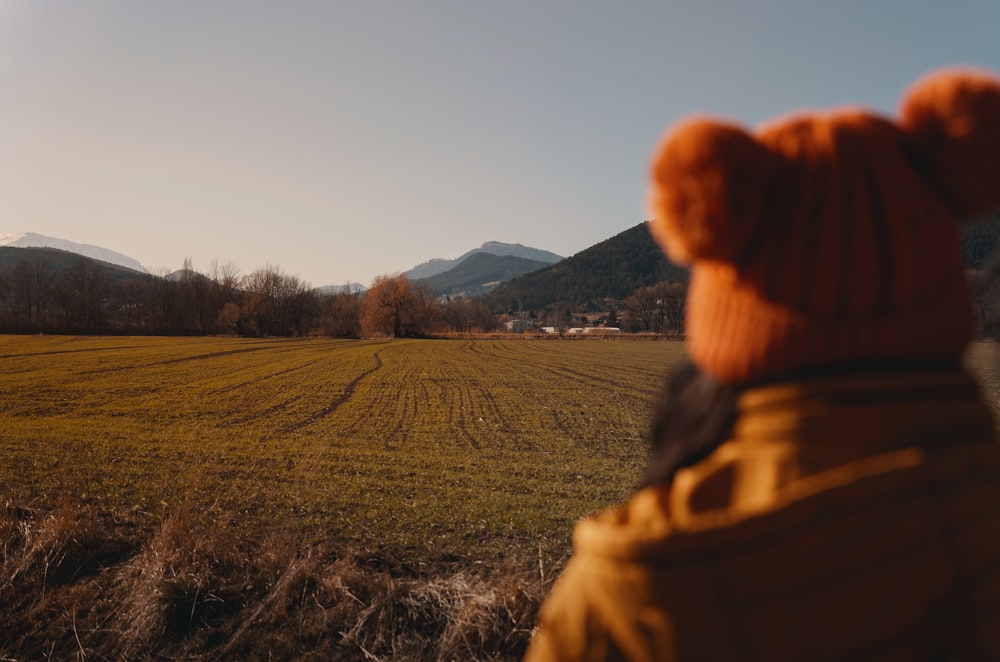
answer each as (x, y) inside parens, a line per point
(34, 240)
(440, 266)
(613, 269)
(618, 266)
(347, 288)
(60, 261)
(480, 272)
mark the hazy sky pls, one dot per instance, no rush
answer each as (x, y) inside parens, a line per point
(343, 139)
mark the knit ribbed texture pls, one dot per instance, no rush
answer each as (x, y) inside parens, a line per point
(739, 337)
(821, 239)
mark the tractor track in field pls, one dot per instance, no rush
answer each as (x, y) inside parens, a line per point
(495, 412)
(456, 413)
(236, 386)
(68, 351)
(211, 355)
(458, 408)
(468, 411)
(592, 380)
(409, 414)
(167, 362)
(494, 351)
(564, 422)
(335, 404)
(256, 416)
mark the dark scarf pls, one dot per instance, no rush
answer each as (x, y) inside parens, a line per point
(695, 413)
(692, 417)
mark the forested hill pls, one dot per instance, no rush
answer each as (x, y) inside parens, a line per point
(480, 272)
(618, 266)
(613, 269)
(58, 262)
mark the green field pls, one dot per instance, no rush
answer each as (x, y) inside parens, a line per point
(483, 447)
(487, 448)
(181, 498)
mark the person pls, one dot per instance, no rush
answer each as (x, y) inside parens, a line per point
(825, 478)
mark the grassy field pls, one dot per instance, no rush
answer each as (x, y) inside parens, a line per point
(308, 499)
(480, 447)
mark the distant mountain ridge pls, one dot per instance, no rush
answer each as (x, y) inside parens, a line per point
(60, 261)
(508, 276)
(33, 240)
(612, 269)
(616, 267)
(479, 273)
(439, 265)
(348, 288)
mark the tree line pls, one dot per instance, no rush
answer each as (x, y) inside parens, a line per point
(86, 296)
(89, 297)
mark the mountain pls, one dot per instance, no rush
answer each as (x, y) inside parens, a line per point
(59, 261)
(614, 269)
(182, 274)
(481, 272)
(439, 265)
(618, 266)
(349, 288)
(32, 240)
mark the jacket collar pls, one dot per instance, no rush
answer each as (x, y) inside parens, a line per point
(796, 435)
(798, 448)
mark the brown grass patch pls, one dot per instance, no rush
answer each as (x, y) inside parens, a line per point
(79, 582)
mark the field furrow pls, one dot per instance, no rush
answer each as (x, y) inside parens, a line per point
(488, 447)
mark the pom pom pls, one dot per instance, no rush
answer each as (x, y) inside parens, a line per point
(953, 118)
(709, 188)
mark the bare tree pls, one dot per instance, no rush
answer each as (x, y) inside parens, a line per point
(275, 304)
(671, 305)
(196, 310)
(82, 292)
(466, 315)
(9, 311)
(31, 282)
(659, 308)
(225, 278)
(640, 309)
(155, 300)
(395, 306)
(340, 314)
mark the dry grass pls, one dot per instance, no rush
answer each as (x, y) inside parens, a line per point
(79, 583)
(328, 500)
(483, 447)
(308, 499)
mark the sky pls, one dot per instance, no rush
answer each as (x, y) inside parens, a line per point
(344, 139)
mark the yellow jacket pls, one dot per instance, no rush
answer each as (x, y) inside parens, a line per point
(847, 518)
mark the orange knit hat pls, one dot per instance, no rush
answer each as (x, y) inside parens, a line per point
(830, 238)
